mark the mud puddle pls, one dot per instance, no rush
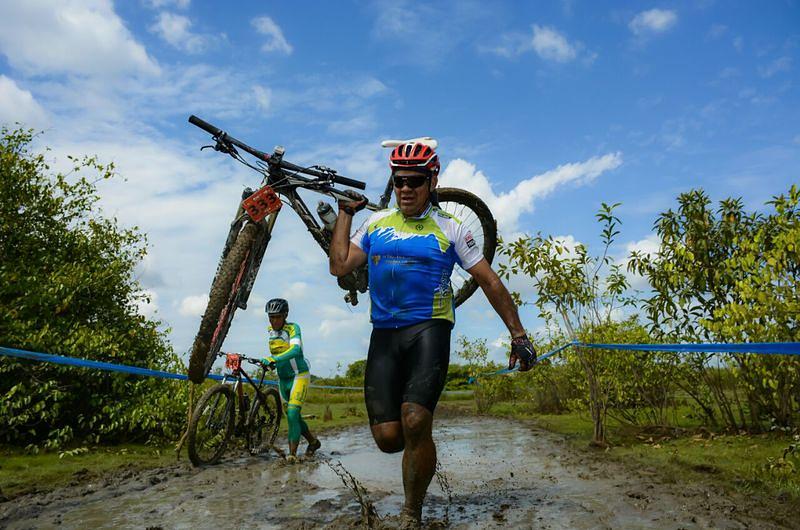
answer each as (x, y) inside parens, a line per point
(494, 473)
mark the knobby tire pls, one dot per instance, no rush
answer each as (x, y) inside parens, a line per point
(263, 421)
(220, 297)
(223, 425)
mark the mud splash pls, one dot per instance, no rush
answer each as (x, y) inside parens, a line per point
(494, 473)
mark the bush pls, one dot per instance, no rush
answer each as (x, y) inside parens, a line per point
(67, 286)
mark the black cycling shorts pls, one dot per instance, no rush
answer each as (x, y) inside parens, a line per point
(406, 365)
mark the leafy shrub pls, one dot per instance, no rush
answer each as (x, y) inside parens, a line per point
(67, 286)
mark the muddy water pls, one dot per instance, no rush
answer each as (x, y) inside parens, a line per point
(500, 474)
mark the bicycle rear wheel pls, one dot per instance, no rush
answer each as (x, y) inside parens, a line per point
(476, 216)
(263, 421)
(211, 425)
(221, 304)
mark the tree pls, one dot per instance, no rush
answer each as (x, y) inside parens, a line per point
(581, 293)
(729, 276)
(67, 286)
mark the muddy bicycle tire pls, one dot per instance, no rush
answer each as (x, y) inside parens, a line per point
(261, 430)
(222, 400)
(488, 225)
(202, 356)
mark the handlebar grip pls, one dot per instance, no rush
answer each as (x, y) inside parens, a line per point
(350, 182)
(194, 120)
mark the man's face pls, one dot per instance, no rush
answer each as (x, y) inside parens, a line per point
(277, 321)
(412, 200)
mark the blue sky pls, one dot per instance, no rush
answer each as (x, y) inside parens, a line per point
(543, 108)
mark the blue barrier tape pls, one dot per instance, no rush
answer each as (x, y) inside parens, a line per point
(767, 348)
(135, 370)
(764, 348)
(539, 359)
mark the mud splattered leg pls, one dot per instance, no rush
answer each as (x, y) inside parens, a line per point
(419, 457)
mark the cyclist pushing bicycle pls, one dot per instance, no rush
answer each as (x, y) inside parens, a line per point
(286, 354)
(410, 251)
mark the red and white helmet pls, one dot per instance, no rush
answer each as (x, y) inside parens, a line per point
(415, 155)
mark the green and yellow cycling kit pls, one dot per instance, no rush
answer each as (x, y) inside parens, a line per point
(286, 348)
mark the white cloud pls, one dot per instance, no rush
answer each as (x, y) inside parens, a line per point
(276, 42)
(652, 22)
(193, 306)
(551, 45)
(176, 30)
(296, 291)
(569, 244)
(336, 320)
(782, 64)
(360, 160)
(149, 306)
(547, 42)
(367, 87)
(158, 4)
(263, 97)
(353, 126)
(70, 36)
(509, 206)
(717, 30)
(415, 29)
(649, 246)
(19, 105)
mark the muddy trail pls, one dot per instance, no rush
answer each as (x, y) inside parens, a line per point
(494, 473)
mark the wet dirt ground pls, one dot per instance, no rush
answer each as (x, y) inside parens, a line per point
(494, 473)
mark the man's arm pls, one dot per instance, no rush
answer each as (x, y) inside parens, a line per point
(500, 298)
(344, 255)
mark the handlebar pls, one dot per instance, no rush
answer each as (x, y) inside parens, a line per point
(251, 360)
(221, 135)
(194, 120)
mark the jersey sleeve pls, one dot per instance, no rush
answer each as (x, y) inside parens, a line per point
(361, 238)
(467, 250)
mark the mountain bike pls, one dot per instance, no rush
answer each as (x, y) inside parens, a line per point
(252, 225)
(214, 419)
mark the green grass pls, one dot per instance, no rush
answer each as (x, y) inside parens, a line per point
(740, 461)
(23, 473)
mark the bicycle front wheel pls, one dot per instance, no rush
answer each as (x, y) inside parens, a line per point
(263, 421)
(476, 216)
(211, 425)
(221, 304)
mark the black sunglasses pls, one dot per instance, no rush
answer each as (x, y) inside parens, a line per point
(412, 181)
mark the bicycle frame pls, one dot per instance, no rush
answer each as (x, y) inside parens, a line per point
(235, 375)
(286, 184)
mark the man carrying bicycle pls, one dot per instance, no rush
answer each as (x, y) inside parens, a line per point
(286, 354)
(410, 251)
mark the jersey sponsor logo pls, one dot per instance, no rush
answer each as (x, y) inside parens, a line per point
(469, 240)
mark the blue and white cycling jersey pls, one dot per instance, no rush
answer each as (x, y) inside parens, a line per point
(410, 260)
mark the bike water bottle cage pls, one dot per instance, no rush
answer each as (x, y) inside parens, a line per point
(415, 155)
(277, 306)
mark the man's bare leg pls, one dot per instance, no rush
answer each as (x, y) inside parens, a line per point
(419, 457)
(388, 436)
